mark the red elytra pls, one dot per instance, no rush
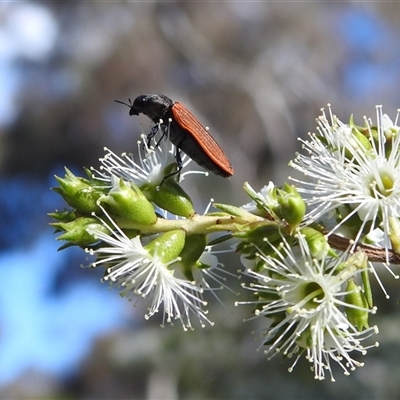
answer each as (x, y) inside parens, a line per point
(191, 124)
(184, 131)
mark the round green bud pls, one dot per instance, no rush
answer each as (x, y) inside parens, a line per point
(168, 246)
(356, 316)
(191, 252)
(317, 242)
(77, 231)
(128, 201)
(78, 192)
(292, 207)
(85, 200)
(171, 197)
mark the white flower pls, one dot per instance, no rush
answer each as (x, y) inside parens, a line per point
(266, 199)
(355, 174)
(212, 270)
(305, 300)
(132, 268)
(151, 167)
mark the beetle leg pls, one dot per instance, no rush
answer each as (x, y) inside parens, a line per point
(178, 159)
(153, 132)
(164, 132)
(179, 165)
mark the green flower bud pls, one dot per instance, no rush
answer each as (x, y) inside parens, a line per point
(128, 201)
(292, 207)
(168, 246)
(235, 211)
(63, 216)
(77, 232)
(367, 291)
(317, 242)
(171, 197)
(256, 232)
(356, 316)
(264, 237)
(362, 138)
(78, 192)
(192, 251)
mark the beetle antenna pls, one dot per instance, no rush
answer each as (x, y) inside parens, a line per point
(125, 104)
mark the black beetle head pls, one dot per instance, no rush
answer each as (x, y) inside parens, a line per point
(155, 106)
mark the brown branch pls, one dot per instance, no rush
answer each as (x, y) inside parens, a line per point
(374, 254)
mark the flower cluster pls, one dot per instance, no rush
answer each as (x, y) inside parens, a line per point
(308, 248)
(355, 173)
(120, 215)
(314, 305)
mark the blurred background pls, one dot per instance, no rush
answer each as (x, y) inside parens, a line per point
(258, 74)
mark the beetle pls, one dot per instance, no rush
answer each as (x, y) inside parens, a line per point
(186, 132)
